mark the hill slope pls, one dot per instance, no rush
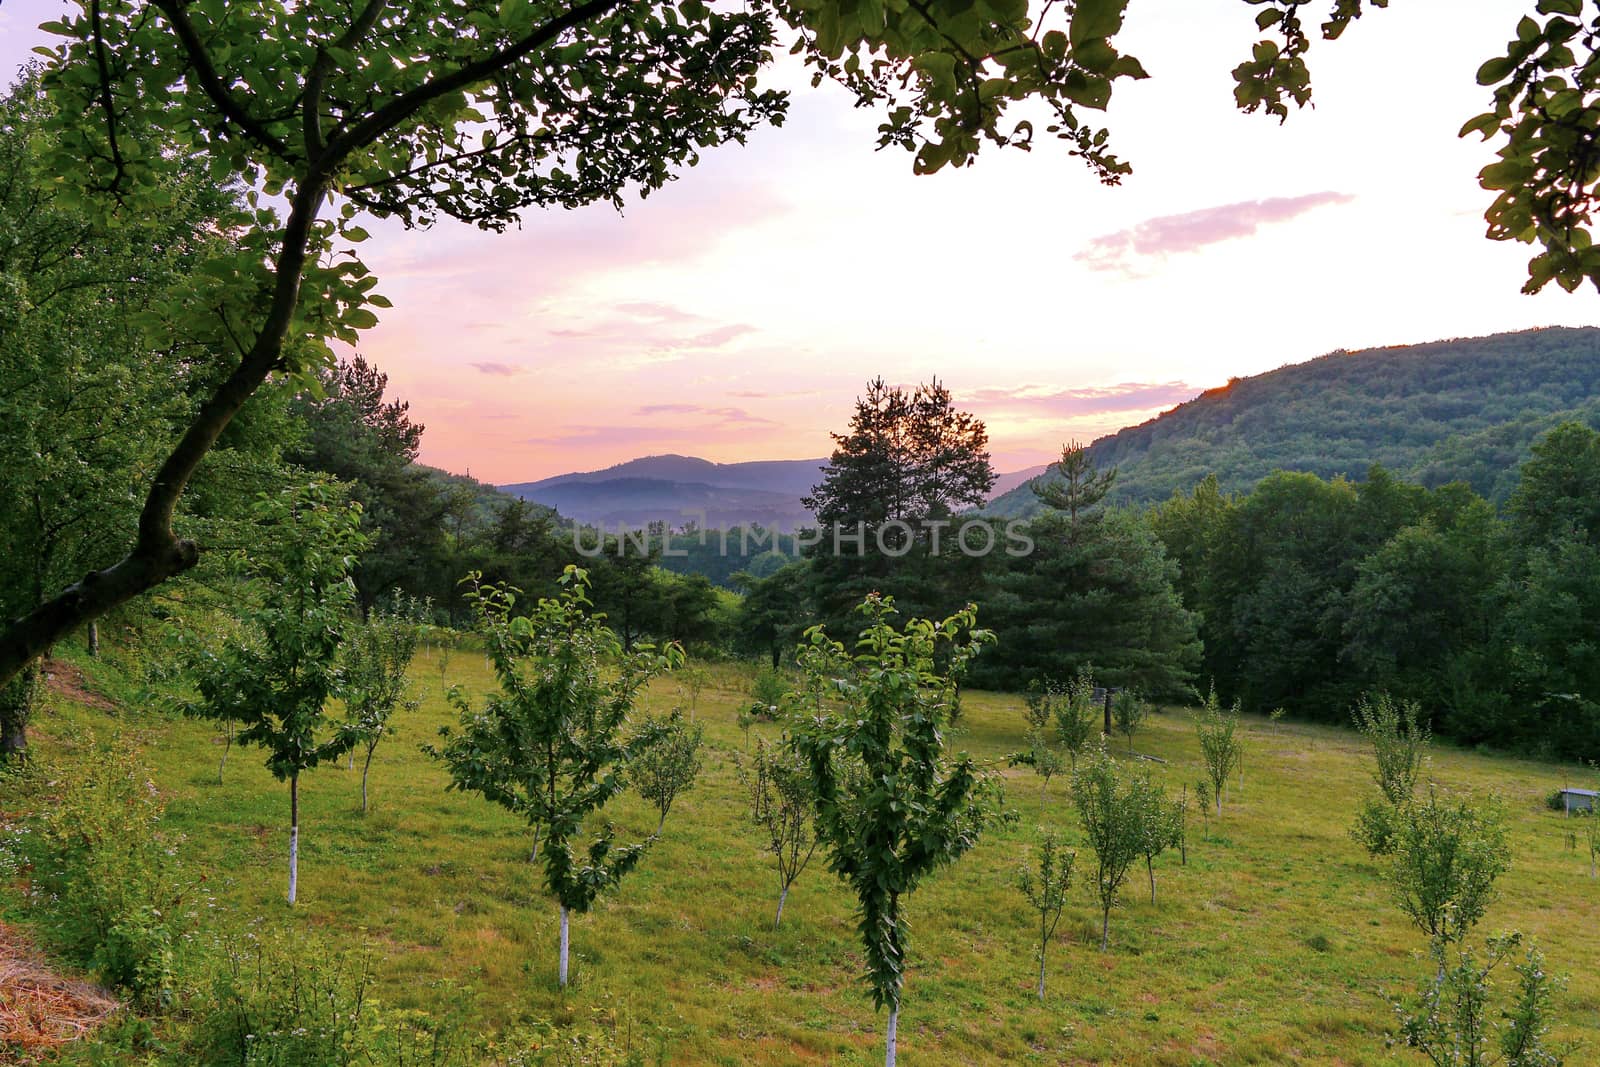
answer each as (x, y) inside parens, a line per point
(1461, 409)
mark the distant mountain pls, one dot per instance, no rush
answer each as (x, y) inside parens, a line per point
(1007, 482)
(677, 489)
(1463, 410)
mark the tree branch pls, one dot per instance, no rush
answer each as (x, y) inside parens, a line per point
(211, 82)
(407, 104)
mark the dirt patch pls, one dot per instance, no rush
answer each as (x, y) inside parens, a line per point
(39, 1009)
(65, 680)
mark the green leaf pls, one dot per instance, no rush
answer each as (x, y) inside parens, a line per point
(1096, 18)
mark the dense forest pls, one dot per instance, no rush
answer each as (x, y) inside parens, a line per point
(1462, 410)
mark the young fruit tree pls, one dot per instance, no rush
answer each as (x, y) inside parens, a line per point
(1220, 751)
(1076, 725)
(1399, 741)
(372, 678)
(275, 680)
(783, 803)
(1158, 825)
(893, 803)
(1047, 892)
(553, 747)
(1113, 824)
(1128, 713)
(668, 765)
(1044, 760)
(1451, 1020)
(1445, 860)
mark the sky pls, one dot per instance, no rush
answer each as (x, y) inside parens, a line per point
(737, 313)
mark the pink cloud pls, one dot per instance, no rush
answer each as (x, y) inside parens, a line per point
(504, 370)
(1191, 231)
(1128, 396)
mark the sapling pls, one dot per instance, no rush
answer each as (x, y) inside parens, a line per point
(1047, 892)
(1042, 758)
(1591, 836)
(782, 803)
(1157, 830)
(553, 746)
(1038, 704)
(274, 680)
(1202, 799)
(1128, 713)
(372, 678)
(1445, 859)
(1218, 732)
(667, 767)
(893, 803)
(1275, 716)
(1180, 825)
(1399, 743)
(1076, 727)
(692, 680)
(1452, 1022)
(1114, 827)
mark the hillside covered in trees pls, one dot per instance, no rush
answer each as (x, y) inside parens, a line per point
(1461, 410)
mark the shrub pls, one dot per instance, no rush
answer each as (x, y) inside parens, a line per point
(1450, 1021)
(1113, 824)
(1220, 747)
(119, 899)
(767, 693)
(669, 763)
(1446, 859)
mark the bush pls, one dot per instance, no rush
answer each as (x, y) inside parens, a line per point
(119, 900)
(767, 694)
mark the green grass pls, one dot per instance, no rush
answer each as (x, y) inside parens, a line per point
(1275, 943)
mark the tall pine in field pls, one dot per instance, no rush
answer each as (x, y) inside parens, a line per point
(1097, 588)
(888, 505)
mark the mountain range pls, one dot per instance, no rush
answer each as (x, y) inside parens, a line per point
(1466, 409)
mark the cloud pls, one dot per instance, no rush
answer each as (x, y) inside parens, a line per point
(1094, 400)
(726, 415)
(504, 370)
(718, 337)
(658, 312)
(1194, 230)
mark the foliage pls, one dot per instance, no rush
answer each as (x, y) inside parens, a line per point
(1217, 730)
(1159, 824)
(1046, 892)
(782, 803)
(1079, 488)
(893, 804)
(1445, 861)
(1112, 817)
(122, 902)
(1459, 410)
(1449, 1021)
(18, 699)
(667, 766)
(550, 747)
(372, 676)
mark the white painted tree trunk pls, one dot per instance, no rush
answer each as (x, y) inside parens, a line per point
(1041, 977)
(888, 1044)
(782, 896)
(294, 835)
(564, 943)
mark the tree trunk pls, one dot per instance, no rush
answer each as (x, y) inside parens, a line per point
(13, 738)
(94, 639)
(227, 744)
(1043, 789)
(294, 835)
(783, 895)
(889, 1037)
(17, 698)
(564, 944)
(1041, 975)
(365, 768)
(1150, 866)
(1105, 929)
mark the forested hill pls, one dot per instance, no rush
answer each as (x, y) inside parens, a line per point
(1451, 410)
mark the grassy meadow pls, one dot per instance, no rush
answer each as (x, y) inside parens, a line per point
(1275, 943)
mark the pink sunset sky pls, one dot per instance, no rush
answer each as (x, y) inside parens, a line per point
(736, 314)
